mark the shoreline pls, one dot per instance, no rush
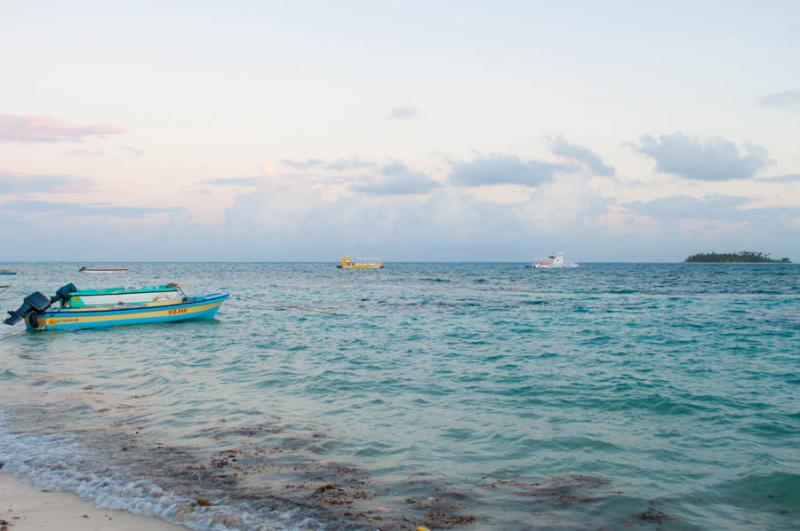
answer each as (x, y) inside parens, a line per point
(23, 507)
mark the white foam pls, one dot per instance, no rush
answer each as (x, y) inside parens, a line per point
(61, 463)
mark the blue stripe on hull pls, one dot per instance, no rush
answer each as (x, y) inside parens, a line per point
(207, 314)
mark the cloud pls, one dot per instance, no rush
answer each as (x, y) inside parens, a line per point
(397, 179)
(711, 207)
(722, 222)
(400, 212)
(15, 128)
(126, 151)
(11, 183)
(338, 165)
(402, 113)
(129, 150)
(566, 204)
(241, 181)
(286, 220)
(85, 153)
(297, 218)
(681, 206)
(583, 155)
(792, 178)
(82, 209)
(503, 169)
(789, 99)
(716, 159)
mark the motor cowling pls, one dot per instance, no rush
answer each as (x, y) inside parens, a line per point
(64, 293)
(34, 304)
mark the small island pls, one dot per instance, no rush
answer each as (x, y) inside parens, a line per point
(742, 257)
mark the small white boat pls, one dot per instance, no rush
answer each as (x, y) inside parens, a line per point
(555, 261)
(101, 270)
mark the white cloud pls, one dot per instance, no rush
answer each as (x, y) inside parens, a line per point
(396, 178)
(403, 112)
(484, 170)
(581, 154)
(789, 99)
(714, 159)
(12, 183)
(15, 128)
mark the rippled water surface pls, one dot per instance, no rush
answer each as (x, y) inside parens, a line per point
(464, 396)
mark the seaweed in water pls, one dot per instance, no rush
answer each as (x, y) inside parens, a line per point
(440, 513)
(652, 515)
(561, 489)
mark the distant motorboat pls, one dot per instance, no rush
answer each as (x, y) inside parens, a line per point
(555, 261)
(85, 269)
(7, 272)
(349, 263)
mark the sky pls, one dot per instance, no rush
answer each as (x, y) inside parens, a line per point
(411, 131)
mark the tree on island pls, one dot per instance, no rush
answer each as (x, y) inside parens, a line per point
(742, 257)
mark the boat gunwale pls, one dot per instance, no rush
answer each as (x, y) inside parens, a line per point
(124, 291)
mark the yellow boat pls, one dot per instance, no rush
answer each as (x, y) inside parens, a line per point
(348, 263)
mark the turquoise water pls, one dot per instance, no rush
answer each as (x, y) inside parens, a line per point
(471, 396)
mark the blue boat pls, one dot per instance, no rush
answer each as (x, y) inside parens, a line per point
(7, 272)
(38, 313)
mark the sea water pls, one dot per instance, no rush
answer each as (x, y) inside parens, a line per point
(467, 396)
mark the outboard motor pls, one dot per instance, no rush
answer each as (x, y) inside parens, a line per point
(34, 304)
(64, 293)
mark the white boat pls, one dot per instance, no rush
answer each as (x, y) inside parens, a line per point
(555, 261)
(102, 270)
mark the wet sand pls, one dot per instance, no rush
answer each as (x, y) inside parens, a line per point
(23, 507)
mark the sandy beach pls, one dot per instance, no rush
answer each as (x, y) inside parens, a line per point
(23, 507)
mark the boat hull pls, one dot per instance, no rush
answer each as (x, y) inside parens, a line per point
(555, 261)
(191, 308)
(360, 266)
